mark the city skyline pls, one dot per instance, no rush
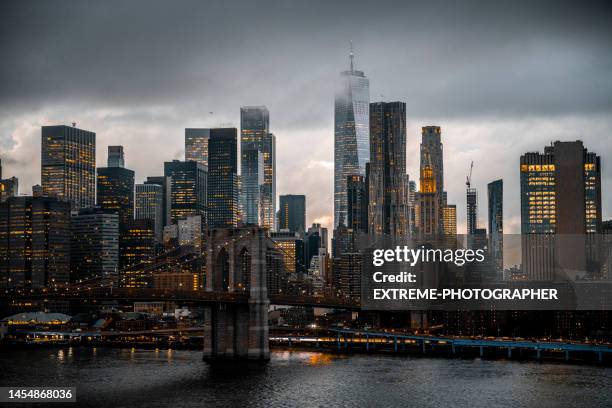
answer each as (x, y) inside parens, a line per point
(531, 114)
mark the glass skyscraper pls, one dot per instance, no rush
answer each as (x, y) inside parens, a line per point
(116, 192)
(116, 158)
(68, 165)
(258, 167)
(388, 195)
(149, 205)
(351, 134)
(94, 249)
(223, 178)
(34, 242)
(292, 213)
(496, 224)
(357, 201)
(196, 145)
(188, 189)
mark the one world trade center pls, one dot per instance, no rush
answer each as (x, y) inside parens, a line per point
(351, 134)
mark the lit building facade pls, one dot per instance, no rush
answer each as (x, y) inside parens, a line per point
(189, 231)
(8, 187)
(223, 206)
(115, 192)
(428, 214)
(346, 276)
(292, 249)
(196, 145)
(68, 165)
(34, 242)
(495, 201)
(292, 213)
(471, 198)
(149, 204)
(560, 205)
(351, 134)
(431, 143)
(412, 193)
(94, 248)
(137, 251)
(388, 202)
(258, 190)
(188, 189)
(449, 218)
(251, 186)
(166, 183)
(357, 203)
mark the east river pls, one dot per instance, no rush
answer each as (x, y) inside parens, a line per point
(169, 378)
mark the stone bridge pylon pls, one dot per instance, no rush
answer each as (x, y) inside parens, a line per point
(236, 263)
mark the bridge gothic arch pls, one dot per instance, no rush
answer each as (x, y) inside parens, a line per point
(236, 263)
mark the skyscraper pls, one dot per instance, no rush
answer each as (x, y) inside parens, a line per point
(292, 248)
(472, 210)
(188, 189)
(560, 195)
(429, 215)
(496, 225)
(251, 183)
(449, 215)
(94, 247)
(115, 156)
(388, 203)
(292, 213)
(68, 165)
(34, 242)
(115, 187)
(357, 204)
(166, 183)
(196, 145)
(315, 242)
(259, 199)
(149, 205)
(137, 250)
(223, 178)
(351, 133)
(431, 143)
(412, 193)
(432, 157)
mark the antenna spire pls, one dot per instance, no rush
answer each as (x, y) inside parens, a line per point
(352, 57)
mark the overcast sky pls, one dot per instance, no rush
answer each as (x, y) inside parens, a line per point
(499, 79)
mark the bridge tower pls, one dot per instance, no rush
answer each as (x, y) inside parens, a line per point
(236, 264)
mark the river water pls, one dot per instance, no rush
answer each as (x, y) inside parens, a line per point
(163, 378)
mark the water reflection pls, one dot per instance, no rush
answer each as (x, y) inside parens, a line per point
(320, 359)
(177, 378)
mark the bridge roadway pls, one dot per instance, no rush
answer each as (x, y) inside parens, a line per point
(98, 294)
(344, 337)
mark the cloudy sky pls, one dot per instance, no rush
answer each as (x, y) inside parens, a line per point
(499, 79)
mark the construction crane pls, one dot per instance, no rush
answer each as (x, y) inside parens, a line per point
(468, 179)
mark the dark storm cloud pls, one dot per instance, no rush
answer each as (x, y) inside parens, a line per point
(500, 78)
(455, 58)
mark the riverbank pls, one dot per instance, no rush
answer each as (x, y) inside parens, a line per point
(332, 348)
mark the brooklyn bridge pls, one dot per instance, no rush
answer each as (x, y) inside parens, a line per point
(235, 296)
